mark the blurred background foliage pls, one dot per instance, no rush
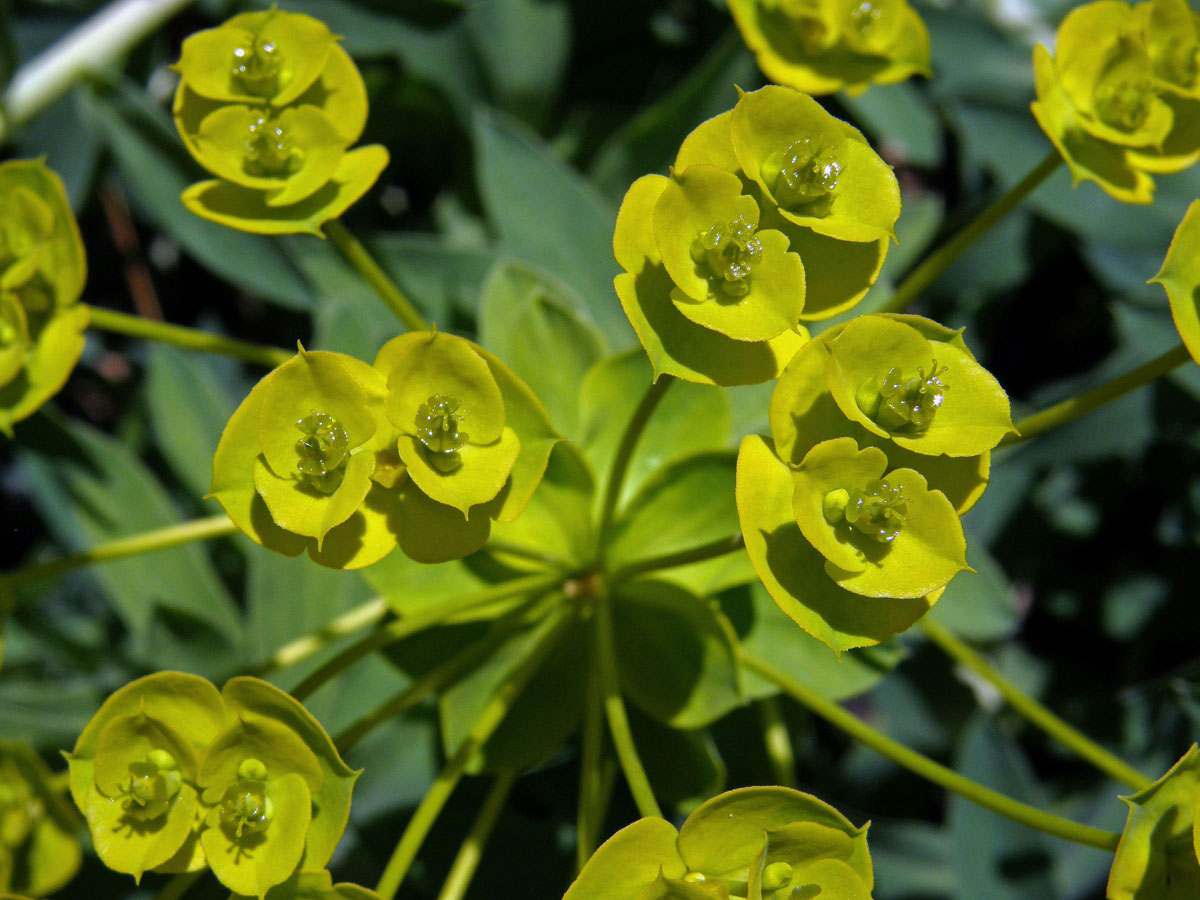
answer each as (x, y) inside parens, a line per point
(514, 128)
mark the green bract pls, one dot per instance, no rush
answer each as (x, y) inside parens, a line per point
(269, 103)
(1180, 276)
(758, 842)
(173, 776)
(294, 465)
(774, 212)
(1157, 858)
(39, 852)
(348, 460)
(822, 46)
(42, 271)
(317, 886)
(1119, 96)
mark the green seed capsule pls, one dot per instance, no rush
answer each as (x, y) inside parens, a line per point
(776, 875)
(877, 510)
(730, 251)
(256, 67)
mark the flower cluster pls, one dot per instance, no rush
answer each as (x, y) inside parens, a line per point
(269, 103)
(39, 852)
(1158, 857)
(774, 212)
(173, 776)
(1120, 97)
(421, 449)
(763, 842)
(822, 46)
(881, 431)
(42, 271)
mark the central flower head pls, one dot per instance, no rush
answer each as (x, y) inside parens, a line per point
(270, 153)
(1124, 90)
(256, 66)
(153, 783)
(877, 509)
(910, 403)
(246, 810)
(322, 451)
(807, 170)
(439, 424)
(730, 251)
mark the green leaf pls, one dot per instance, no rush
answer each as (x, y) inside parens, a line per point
(92, 489)
(690, 419)
(532, 323)
(524, 47)
(548, 215)
(979, 605)
(684, 766)
(675, 653)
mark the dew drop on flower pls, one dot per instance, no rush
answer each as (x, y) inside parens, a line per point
(256, 67)
(806, 171)
(438, 424)
(910, 404)
(730, 251)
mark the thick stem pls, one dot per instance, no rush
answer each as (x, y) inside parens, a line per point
(189, 338)
(302, 648)
(439, 792)
(1069, 410)
(419, 620)
(362, 261)
(711, 550)
(932, 771)
(777, 742)
(146, 542)
(941, 259)
(93, 46)
(1033, 711)
(469, 854)
(614, 709)
(624, 454)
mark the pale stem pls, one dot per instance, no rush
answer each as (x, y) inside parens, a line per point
(624, 454)
(1073, 408)
(471, 851)
(777, 742)
(146, 542)
(932, 771)
(711, 550)
(942, 258)
(362, 261)
(93, 46)
(188, 338)
(419, 620)
(1033, 711)
(614, 710)
(439, 792)
(354, 620)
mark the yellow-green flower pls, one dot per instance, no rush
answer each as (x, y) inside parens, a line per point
(39, 852)
(1119, 95)
(42, 271)
(269, 103)
(822, 46)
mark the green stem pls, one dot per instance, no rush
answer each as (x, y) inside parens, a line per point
(711, 550)
(529, 553)
(614, 709)
(179, 885)
(591, 767)
(356, 254)
(439, 792)
(624, 454)
(1037, 714)
(941, 259)
(932, 771)
(440, 676)
(302, 648)
(188, 338)
(1069, 410)
(777, 742)
(419, 620)
(146, 542)
(469, 854)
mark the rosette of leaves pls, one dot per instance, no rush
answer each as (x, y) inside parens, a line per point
(39, 852)
(1180, 276)
(1119, 96)
(472, 442)
(296, 466)
(762, 843)
(173, 775)
(1159, 853)
(822, 46)
(270, 103)
(850, 512)
(42, 271)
